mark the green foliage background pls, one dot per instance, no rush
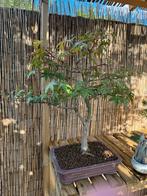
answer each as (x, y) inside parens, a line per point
(23, 4)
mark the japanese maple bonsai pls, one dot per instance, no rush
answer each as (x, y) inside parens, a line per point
(85, 80)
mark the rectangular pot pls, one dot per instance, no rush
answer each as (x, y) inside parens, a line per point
(71, 175)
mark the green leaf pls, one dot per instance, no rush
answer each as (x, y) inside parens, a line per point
(43, 97)
(51, 86)
(74, 58)
(20, 94)
(66, 88)
(37, 44)
(30, 74)
(47, 74)
(30, 100)
(29, 94)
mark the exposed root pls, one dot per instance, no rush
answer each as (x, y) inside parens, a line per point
(88, 153)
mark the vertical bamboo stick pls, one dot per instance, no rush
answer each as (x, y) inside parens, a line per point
(45, 133)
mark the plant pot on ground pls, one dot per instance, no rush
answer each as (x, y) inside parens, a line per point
(78, 82)
(139, 159)
(71, 164)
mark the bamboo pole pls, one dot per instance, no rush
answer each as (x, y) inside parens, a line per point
(45, 137)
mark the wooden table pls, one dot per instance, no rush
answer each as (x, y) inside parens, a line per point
(126, 181)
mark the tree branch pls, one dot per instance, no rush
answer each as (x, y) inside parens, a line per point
(80, 117)
(88, 105)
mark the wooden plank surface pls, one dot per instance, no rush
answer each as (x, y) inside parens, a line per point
(130, 141)
(142, 183)
(124, 152)
(125, 172)
(126, 141)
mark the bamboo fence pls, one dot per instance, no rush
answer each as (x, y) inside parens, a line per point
(20, 133)
(21, 125)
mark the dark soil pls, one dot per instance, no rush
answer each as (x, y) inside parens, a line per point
(70, 156)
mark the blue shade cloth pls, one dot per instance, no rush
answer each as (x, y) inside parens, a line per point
(98, 10)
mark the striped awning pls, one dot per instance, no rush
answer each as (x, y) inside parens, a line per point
(100, 9)
(120, 3)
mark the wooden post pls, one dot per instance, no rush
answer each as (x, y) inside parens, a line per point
(45, 134)
(44, 23)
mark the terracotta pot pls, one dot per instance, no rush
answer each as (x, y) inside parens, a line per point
(71, 175)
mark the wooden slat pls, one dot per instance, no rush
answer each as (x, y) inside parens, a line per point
(124, 174)
(84, 186)
(134, 136)
(126, 141)
(115, 180)
(117, 183)
(143, 182)
(69, 190)
(127, 175)
(116, 149)
(53, 186)
(120, 145)
(99, 181)
(126, 153)
(136, 183)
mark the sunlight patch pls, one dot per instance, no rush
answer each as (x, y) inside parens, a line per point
(7, 121)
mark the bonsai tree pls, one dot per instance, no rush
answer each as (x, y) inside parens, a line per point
(84, 80)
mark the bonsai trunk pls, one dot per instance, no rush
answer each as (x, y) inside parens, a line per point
(84, 141)
(86, 126)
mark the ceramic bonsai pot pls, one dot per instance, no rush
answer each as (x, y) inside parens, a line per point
(139, 167)
(68, 176)
(139, 159)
